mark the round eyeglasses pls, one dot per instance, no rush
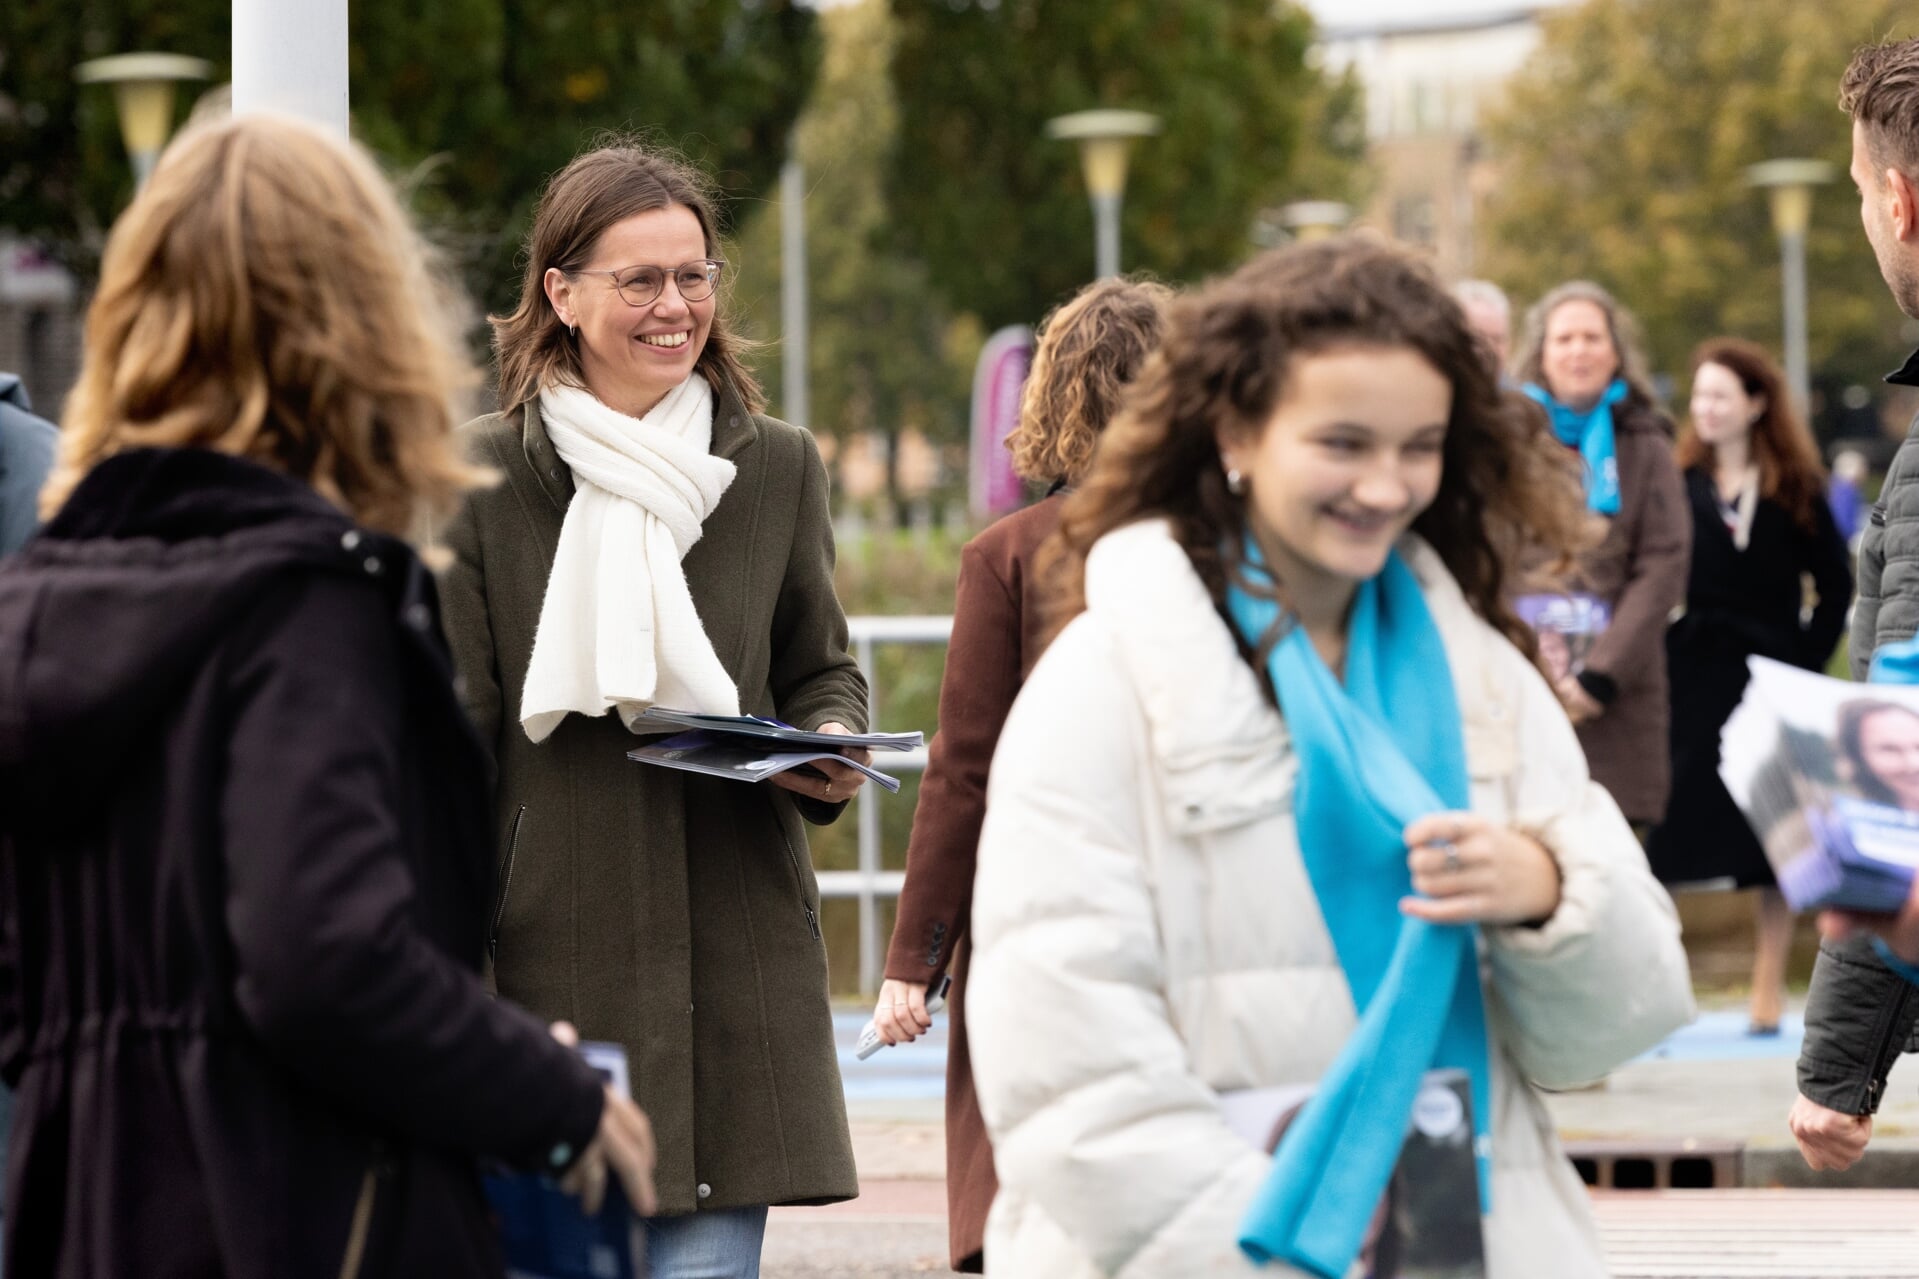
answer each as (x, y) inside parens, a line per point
(642, 285)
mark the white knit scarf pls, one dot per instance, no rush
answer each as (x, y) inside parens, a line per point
(618, 629)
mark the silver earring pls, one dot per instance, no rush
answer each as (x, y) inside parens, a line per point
(1235, 481)
(573, 331)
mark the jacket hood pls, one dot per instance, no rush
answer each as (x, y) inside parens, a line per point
(13, 391)
(104, 618)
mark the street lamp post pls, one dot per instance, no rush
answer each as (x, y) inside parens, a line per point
(1789, 184)
(1104, 139)
(143, 85)
(794, 404)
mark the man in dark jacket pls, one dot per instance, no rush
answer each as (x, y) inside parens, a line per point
(26, 454)
(1859, 1014)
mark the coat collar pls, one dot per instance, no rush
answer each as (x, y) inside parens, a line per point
(1906, 374)
(1211, 726)
(734, 431)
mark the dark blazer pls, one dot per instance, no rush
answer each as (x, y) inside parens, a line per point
(997, 625)
(243, 880)
(1739, 604)
(675, 914)
(1640, 570)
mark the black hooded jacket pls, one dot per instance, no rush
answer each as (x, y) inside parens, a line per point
(243, 885)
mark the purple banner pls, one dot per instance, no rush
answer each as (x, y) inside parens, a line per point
(993, 488)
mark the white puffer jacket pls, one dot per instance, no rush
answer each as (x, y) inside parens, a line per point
(1146, 937)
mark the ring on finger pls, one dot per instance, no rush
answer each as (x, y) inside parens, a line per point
(1452, 856)
(829, 788)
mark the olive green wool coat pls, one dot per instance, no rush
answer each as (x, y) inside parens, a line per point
(674, 914)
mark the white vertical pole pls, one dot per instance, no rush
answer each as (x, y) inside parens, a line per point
(871, 944)
(794, 391)
(1792, 253)
(290, 56)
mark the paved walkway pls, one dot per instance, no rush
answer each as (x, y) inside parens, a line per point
(1710, 1082)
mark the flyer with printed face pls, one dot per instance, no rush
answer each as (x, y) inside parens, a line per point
(1827, 774)
(1428, 1226)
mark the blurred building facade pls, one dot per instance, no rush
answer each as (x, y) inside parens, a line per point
(1430, 68)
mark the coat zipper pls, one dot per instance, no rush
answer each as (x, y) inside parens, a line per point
(799, 878)
(355, 1258)
(506, 886)
(1886, 1048)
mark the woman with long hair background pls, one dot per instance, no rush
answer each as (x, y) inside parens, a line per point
(1761, 530)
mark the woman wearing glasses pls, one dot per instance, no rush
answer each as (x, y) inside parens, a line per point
(657, 540)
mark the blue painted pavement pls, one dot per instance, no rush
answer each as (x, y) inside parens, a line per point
(917, 1071)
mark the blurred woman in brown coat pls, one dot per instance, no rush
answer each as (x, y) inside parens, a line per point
(1580, 362)
(1089, 348)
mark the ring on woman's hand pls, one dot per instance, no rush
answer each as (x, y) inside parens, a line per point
(1452, 856)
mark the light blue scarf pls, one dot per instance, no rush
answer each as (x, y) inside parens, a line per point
(1591, 432)
(1416, 984)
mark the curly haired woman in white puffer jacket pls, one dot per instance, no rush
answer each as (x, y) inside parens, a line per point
(1150, 929)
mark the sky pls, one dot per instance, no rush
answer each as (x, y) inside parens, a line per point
(1367, 13)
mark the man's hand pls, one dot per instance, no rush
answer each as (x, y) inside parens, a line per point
(1829, 1141)
(1900, 931)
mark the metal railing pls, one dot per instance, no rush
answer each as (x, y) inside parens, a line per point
(870, 883)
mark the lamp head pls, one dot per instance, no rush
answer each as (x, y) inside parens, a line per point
(1104, 138)
(1788, 184)
(143, 93)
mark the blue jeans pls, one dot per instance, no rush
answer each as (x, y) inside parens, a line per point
(706, 1245)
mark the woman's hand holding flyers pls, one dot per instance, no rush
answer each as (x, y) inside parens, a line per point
(1467, 870)
(831, 782)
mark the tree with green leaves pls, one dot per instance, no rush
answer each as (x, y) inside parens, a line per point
(884, 354)
(477, 100)
(1622, 148)
(999, 213)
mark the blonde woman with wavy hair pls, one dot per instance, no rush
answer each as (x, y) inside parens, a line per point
(232, 316)
(1090, 348)
(239, 804)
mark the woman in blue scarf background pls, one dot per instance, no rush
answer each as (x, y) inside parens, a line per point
(1579, 359)
(1286, 809)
